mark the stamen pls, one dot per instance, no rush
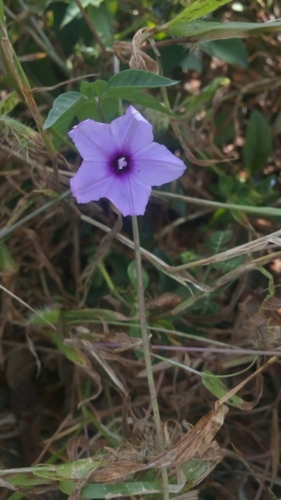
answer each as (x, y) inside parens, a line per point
(121, 163)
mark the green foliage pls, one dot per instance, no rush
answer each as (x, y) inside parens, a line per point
(101, 95)
(136, 97)
(227, 185)
(258, 144)
(228, 265)
(97, 491)
(8, 103)
(73, 10)
(195, 103)
(137, 79)
(193, 61)
(73, 316)
(7, 263)
(132, 273)
(232, 51)
(203, 30)
(206, 306)
(197, 9)
(2, 16)
(93, 90)
(64, 110)
(103, 23)
(217, 387)
(218, 240)
(202, 110)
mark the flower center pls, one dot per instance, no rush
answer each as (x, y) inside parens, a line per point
(121, 164)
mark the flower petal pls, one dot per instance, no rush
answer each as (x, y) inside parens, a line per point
(93, 140)
(137, 115)
(131, 138)
(91, 181)
(155, 165)
(131, 132)
(129, 195)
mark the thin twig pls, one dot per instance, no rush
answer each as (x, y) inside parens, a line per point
(92, 28)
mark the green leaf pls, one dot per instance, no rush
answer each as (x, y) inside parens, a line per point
(7, 263)
(225, 266)
(85, 89)
(74, 316)
(137, 97)
(125, 489)
(193, 61)
(224, 126)
(232, 51)
(196, 469)
(70, 470)
(217, 242)
(197, 9)
(217, 387)
(103, 23)
(74, 354)
(89, 109)
(110, 109)
(94, 89)
(203, 30)
(8, 103)
(226, 185)
(172, 57)
(41, 316)
(258, 144)
(23, 480)
(64, 109)
(2, 15)
(132, 273)
(138, 78)
(73, 10)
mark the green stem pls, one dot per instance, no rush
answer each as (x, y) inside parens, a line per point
(147, 356)
(270, 211)
(111, 285)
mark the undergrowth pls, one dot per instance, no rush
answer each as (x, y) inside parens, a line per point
(150, 368)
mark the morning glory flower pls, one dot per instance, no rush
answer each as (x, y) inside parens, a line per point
(121, 162)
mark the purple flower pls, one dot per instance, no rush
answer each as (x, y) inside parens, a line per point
(121, 162)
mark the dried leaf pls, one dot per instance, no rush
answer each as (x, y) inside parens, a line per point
(91, 349)
(271, 304)
(167, 300)
(196, 441)
(139, 59)
(116, 471)
(133, 54)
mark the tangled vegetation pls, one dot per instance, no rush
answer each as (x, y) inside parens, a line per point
(140, 356)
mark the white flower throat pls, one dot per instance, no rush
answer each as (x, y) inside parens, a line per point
(121, 163)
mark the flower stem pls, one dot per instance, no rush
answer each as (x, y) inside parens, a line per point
(147, 356)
